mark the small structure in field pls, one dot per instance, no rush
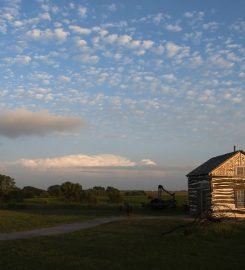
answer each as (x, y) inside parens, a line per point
(219, 185)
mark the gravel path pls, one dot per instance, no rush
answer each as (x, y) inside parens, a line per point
(60, 229)
(67, 228)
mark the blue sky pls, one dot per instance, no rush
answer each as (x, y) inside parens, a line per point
(125, 93)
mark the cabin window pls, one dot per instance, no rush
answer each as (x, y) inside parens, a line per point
(240, 171)
(240, 198)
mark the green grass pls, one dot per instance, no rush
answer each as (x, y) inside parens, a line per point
(131, 244)
(27, 219)
(46, 212)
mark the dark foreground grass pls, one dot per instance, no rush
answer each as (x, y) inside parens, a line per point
(131, 244)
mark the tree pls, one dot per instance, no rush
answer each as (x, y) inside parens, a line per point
(114, 195)
(88, 196)
(98, 191)
(7, 184)
(54, 190)
(30, 192)
(71, 191)
(111, 189)
(99, 188)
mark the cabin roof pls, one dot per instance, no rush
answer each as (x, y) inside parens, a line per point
(212, 163)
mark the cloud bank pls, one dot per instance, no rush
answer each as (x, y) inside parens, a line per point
(21, 122)
(81, 161)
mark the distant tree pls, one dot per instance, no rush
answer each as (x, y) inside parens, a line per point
(30, 192)
(15, 195)
(135, 193)
(88, 196)
(7, 184)
(111, 189)
(71, 191)
(99, 188)
(55, 191)
(115, 197)
(8, 189)
(99, 191)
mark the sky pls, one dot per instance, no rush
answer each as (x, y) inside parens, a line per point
(129, 94)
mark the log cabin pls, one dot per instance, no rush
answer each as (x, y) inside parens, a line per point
(218, 186)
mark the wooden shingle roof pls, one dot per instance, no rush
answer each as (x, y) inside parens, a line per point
(211, 164)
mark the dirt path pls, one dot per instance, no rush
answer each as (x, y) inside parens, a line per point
(67, 228)
(60, 229)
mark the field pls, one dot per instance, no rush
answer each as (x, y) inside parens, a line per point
(45, 212)
(134, 243)
(130, 244)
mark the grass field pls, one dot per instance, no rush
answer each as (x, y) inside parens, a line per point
(131, 244)
(46, 212)
(22, 220)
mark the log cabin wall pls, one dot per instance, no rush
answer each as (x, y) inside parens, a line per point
(199, 194)
(227, 185)
(224, 196)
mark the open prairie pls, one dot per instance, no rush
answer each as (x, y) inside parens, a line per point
(131, 244)
(136, 242)
(37, 213)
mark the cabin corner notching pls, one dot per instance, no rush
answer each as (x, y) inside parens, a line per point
(219, 185)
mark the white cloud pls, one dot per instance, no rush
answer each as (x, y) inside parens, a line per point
(80, 30)
(147, 44)
(219, 61)
(158, 18)
(82, 11)
(112, 7)
(81, 43)
(173, 28)
(124, 39)
(198, 15)
(196, 59)
(60, 34)
(188, 14)
(7, 16)
(159, 50)
(134, 44)
(57, 34)
(89, 59)
(45, 16)
(212, 26)
(18, 23)
(140, 52)
(64, 78)
(23, 59)
(238, 25)
(169, 77)
(80, 161)
(148, 162)
(77, 161)
(21, 122)
(111, 38)
(172, 49)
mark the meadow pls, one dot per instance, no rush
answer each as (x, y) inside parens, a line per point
(46, 212)
(130, 244)
(134, 243)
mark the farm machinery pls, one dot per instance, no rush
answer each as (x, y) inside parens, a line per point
(159, 203)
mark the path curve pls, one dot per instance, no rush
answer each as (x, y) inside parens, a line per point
(60, 229)
(72, 227)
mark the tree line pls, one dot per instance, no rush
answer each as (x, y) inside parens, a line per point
(67, 191)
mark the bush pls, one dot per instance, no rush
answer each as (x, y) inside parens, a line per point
(115, 197)
(88, 197)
